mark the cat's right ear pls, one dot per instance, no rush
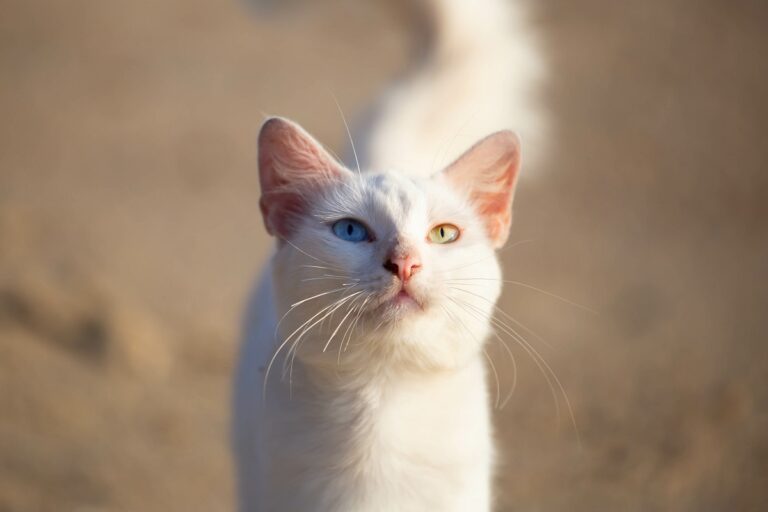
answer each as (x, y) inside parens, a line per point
(293, 167)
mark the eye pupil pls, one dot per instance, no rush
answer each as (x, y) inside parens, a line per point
(350, 229)
(442, 232)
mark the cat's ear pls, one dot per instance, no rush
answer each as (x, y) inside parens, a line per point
(293, 168)
(487, 173)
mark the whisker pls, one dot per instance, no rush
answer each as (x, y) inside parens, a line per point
(295, 346)
(526, 285)
(316, 296)
(302, 251)
(343, 336)
(349, 134)
(280, 347)
(539, 360)
(525, 346)
(357, 319)
(331, 278)
(504, 249)
(493, 367)
(351, 329)
(286, 340)
(335, 269)
(347, 336)
(513, 387)
(293, 306)
(495, 376)
(507, 315)
(505, 328)
(349, 312)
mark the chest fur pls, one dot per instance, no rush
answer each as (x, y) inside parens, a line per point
(402, 445)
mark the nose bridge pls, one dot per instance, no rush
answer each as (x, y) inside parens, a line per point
(402, 248)
(403, 208)
(402, 254)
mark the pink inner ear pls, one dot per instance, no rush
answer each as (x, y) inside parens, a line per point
(281, 211)
(487, 172)
(292, 168)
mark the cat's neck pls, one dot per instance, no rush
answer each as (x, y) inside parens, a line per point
(370, 374)
(351, 396)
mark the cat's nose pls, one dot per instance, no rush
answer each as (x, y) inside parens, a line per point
(403, 267)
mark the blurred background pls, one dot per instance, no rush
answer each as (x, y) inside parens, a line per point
(130, 233)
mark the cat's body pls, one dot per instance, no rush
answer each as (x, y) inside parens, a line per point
(389, 440)
(361, 385)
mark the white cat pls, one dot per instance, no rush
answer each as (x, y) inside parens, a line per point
(384, 406)
(361, 384)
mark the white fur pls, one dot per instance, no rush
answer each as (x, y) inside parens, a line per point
(398, 421)
(394, 415)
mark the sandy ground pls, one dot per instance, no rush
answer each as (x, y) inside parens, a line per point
(129, 233)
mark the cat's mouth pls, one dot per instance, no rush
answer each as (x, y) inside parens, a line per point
(398, 300)
(404, 298)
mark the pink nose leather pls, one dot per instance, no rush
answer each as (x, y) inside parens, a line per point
(403, 267)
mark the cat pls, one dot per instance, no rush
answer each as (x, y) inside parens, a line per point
(361, 382)
(372, 395)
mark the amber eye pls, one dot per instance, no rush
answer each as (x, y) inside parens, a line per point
(444, 234)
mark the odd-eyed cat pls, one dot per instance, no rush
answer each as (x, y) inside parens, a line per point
(361, 385)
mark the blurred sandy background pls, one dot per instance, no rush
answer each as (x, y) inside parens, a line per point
(129, 233)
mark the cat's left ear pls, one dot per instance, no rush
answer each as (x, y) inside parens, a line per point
(487, 173)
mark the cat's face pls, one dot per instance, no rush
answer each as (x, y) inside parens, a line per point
(376, 265)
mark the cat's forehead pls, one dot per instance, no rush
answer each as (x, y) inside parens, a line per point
(398, 197)
(397, 189)
(390, 201)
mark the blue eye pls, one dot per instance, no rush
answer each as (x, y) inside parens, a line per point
(350, 230)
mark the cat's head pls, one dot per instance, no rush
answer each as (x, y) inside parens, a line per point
(379, 266)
